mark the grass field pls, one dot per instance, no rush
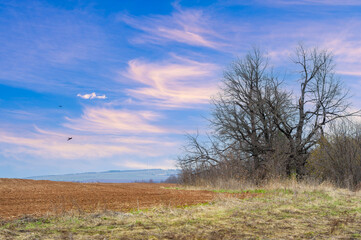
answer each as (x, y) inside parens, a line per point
(276, 211)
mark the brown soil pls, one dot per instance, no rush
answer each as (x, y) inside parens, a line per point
(20, 197)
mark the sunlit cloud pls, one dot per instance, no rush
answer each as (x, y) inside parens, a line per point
(113, 121)
(91, 96)
(53, 145)
(192, 27)
(176, 84)
(99, 135)
(56, 147)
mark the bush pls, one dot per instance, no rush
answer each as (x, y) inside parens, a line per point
(337, 158)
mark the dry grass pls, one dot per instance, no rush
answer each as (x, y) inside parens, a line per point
(281, 210)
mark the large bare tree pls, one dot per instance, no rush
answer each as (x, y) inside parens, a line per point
(255, 119)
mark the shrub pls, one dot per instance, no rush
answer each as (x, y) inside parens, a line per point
(337, 157)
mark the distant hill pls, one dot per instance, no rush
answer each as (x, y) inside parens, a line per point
(113, 176)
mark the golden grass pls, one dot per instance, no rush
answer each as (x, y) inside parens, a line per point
(283, 210)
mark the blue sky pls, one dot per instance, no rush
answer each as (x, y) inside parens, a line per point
(133, 77)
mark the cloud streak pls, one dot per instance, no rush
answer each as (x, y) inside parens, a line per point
(288, 3)
(179, 84)
(52, 145)
(166, 164)
(189, 26)
(113, 121)
(56, 147)
(317, 2)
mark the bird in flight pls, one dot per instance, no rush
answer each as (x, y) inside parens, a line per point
(70, 138)
(60, 106)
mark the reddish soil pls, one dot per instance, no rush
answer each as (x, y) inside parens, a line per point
(20, 197)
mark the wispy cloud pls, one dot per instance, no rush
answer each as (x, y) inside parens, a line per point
(174, 83)
(49, 146)
(52, 146)
(113, 121)
(91, 96)
(190, 26)
(288, 3)
(347, 50)
(100, 135)
(165, 164)
(317, 2)
(336, 35)
(22, 114)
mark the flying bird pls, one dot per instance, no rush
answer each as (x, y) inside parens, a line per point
(60, 106)
(70, 138)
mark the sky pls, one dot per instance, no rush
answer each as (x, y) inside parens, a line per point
(128, 79)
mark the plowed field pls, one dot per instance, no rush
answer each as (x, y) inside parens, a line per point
(20, 197)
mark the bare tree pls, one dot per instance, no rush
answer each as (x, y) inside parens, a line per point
(245, 131)
(253, 115)
(242, 117)
(322, 99)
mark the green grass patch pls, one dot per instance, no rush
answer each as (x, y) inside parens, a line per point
(241, 191)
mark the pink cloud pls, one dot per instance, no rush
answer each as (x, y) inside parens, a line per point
(53, 145)
(347, 51)
(179, 84)
(112, 121)
(165, 164)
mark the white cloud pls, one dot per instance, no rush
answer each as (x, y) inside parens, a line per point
(91, 96)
